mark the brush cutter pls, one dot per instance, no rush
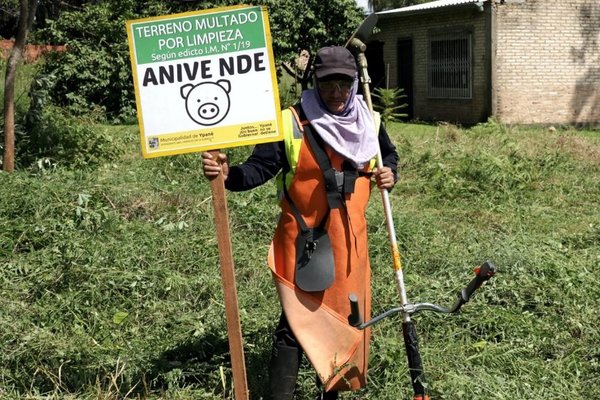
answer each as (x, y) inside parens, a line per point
(483, 273)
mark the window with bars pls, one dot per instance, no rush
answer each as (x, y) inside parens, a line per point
(449, 68)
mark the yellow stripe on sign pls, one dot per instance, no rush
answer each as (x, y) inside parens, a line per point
(210, 138)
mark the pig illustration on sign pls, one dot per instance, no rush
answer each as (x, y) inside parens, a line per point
(208, 102)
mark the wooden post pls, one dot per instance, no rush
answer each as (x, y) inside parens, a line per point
(234, 331)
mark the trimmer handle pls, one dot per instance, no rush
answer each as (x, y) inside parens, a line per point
(482, 274)
(354, 319)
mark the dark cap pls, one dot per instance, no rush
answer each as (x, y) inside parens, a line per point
(334, 60)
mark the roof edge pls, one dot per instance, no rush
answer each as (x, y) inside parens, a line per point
(408, 11)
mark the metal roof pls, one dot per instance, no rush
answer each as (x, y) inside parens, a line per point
(430, 6)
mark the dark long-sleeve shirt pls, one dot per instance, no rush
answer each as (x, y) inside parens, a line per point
(267, 159)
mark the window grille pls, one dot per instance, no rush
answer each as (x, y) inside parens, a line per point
(449, 69)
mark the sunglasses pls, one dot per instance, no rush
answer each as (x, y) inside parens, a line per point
(341, 85)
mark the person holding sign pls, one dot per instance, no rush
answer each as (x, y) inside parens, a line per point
(319, 254)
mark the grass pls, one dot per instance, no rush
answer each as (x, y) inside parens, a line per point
(527, 199)
(110, 285)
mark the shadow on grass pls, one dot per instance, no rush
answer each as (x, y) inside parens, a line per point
(205, 362)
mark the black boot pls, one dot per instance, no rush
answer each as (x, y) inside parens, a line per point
(330, 395)
(333, 395)
(283, 371)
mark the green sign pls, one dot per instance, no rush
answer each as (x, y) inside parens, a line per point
(199, 35)
(204, 80)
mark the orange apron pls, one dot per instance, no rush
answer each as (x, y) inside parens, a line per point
(338, 352)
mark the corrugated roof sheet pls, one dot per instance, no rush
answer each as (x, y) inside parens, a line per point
(429, 6)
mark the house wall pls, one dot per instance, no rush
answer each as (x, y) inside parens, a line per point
(548, 61)
(418, 28)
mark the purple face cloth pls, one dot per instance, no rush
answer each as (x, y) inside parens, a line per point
(350, 133)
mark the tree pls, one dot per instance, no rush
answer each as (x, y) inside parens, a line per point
(323, 23)
(26, 15)
(95, 73)
(380, 5)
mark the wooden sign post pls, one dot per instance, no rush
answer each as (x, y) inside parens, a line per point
(234, 331)
(207, 80)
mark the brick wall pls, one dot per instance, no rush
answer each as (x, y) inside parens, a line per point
(535, 61)
(548, 61)
(418, 28)
(31, 52)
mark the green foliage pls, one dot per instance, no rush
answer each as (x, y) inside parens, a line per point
(47, 135)
(111, 288)
(51, 136)
(323, 23)
(502, 171)
(73, 241)
(387, 103)
(289, 91)
(58, 138)
(24, 75)
(95, 73)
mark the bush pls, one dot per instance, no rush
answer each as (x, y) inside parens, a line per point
(52, 136)
(94, 73)
(59, 138)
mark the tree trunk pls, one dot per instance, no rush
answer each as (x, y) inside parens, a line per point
(26, 16)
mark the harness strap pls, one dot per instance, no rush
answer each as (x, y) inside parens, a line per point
(337, 183)
(305, 231)
(301, 122)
